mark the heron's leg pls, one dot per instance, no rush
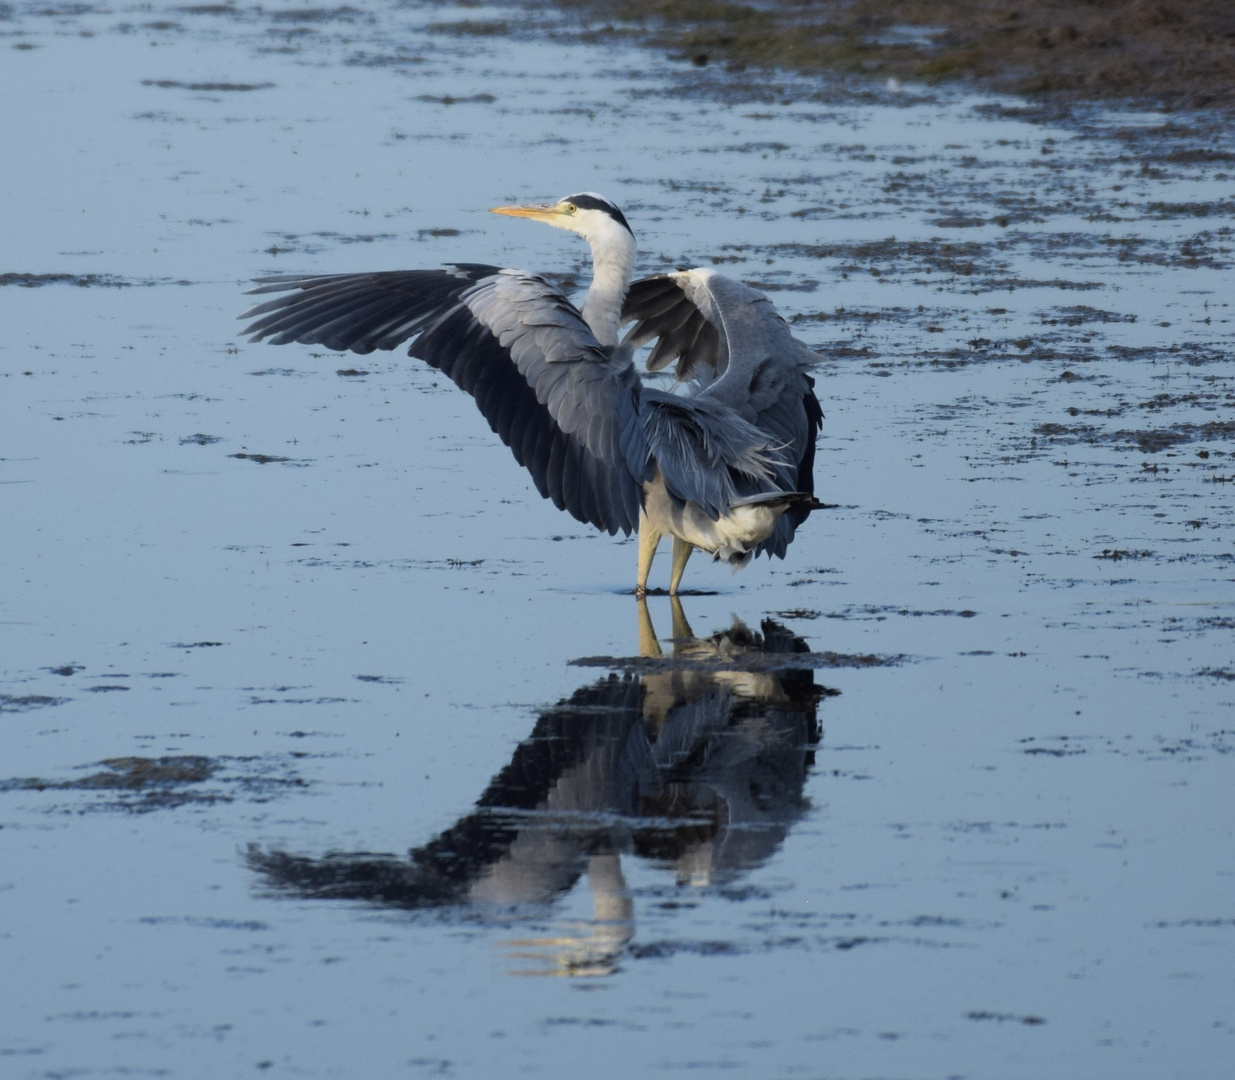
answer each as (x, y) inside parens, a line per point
(681, 552)
(681, 628)
(611, 899)
(649, 538)
(648, 645)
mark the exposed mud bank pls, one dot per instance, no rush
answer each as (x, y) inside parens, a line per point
(1180, 55)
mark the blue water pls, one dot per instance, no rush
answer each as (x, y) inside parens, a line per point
(1005, 852)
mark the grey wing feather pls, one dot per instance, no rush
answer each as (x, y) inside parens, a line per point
(768, 380)
(661, 310)
(746, 360)
(706, 453)
(567, 408)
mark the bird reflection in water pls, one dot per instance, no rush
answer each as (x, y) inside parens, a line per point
(696, 761)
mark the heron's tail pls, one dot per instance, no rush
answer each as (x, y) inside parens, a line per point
(778, 500)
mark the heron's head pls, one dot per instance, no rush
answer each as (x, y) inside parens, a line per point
(591, 216)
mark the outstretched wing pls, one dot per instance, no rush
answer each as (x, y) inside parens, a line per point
(660, 309)
(731, 340)
(567, 408)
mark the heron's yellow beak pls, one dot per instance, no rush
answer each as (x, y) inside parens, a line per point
(537, 212)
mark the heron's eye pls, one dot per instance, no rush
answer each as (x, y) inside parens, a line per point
(571, 208)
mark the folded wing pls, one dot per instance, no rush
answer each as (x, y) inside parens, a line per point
(740, 356)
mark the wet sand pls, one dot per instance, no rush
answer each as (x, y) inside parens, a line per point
(1173, 55)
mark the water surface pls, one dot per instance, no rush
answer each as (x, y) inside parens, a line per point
(322, 729)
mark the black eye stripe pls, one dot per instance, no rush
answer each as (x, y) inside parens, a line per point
(590, 202)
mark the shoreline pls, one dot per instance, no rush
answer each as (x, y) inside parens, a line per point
(1173, 56)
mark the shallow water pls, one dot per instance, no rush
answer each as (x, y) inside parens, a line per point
(275, 620)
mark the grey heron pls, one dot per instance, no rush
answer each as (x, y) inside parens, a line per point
(725, 465)
(697, 760)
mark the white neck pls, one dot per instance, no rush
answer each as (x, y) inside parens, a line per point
(613, 261)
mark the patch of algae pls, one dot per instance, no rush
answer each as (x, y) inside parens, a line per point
(1180, 55)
